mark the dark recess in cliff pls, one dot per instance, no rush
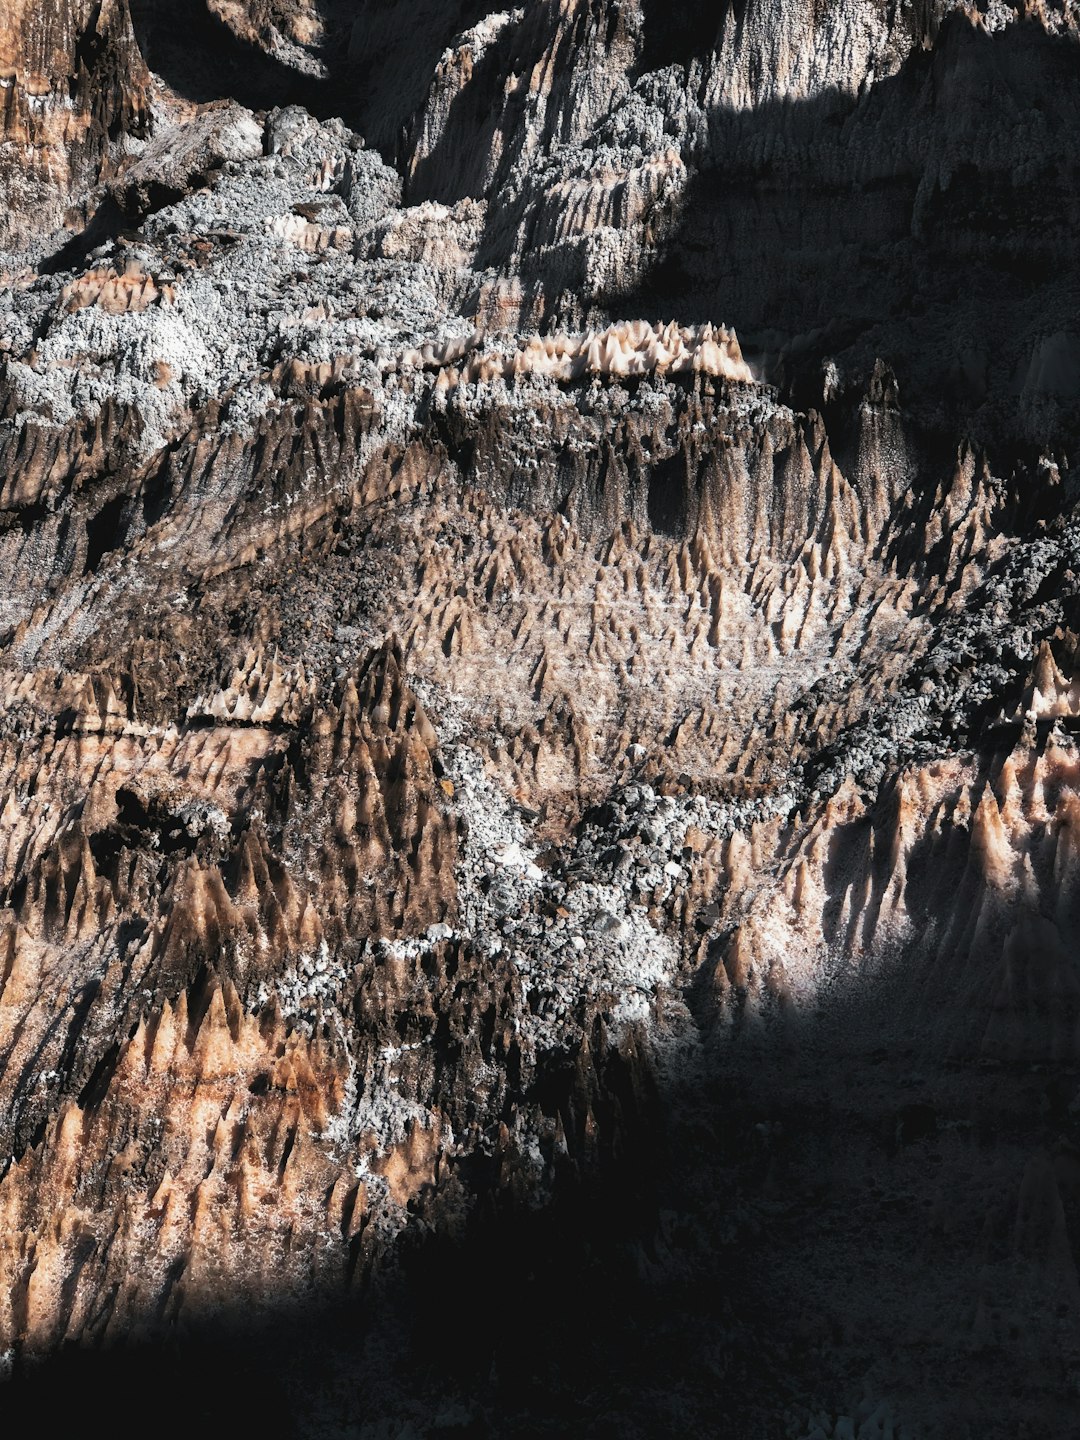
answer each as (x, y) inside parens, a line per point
(840, 246)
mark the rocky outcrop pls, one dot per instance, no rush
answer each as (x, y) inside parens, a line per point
(75, 89)
(538, 680)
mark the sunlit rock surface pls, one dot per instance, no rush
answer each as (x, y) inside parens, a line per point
(539, 712)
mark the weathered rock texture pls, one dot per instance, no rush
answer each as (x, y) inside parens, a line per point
(74, 90)
(539, 686)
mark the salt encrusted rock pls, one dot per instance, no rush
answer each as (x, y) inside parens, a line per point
(478, 750)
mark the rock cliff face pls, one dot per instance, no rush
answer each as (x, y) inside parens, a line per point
(540, 835)
(75, 89)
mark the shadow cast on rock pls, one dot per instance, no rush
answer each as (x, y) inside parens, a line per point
(916, 221)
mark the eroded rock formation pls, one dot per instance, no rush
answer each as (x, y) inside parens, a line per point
(539, 690)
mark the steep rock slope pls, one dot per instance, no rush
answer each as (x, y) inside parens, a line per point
(513, 786)
(74, 88)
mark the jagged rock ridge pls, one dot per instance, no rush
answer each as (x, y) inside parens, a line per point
(540, 680)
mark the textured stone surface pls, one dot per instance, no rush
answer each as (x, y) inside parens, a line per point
(539, 686)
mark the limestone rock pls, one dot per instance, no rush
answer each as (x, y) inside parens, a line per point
(539, 691)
